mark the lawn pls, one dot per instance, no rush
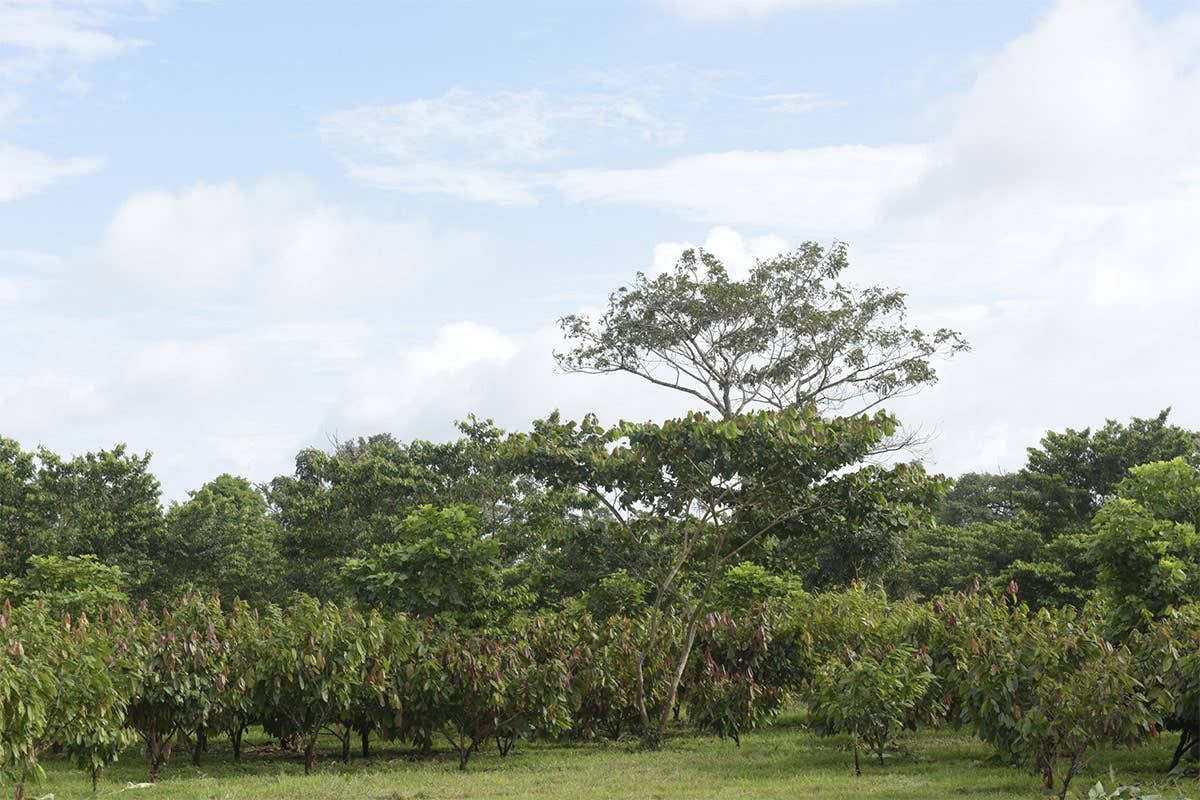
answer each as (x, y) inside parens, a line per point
(784, 761)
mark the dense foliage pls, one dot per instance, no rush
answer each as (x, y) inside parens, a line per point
(1044, 687)
(578, 581)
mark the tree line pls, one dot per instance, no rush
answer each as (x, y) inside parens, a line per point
(790, 480)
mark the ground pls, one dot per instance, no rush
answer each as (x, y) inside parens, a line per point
(784, 761)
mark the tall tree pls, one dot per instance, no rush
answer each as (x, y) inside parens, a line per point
(1070, 475)
(981, 497)
(706, 491)
(790, 334)
(24, 529)
(339, 504)
(108, 504)
(1146, 543)
(223, 538)
(441, 566)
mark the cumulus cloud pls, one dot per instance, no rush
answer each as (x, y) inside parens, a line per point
(737, 252)
(275, 240)
(444, 375)
(1060, 202)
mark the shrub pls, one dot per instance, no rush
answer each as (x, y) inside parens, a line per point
(1046, 690)
(869, 695)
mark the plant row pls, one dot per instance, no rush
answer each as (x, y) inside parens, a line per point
(1047, 688)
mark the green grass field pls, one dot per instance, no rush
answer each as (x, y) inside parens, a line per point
(784, 761)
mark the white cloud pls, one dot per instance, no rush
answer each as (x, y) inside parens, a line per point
(29, 401)
(1096, 102)
(200, 365)
(824, 190)
(42, 40)
(737, 252)
(24, 172)
(45, 33)
(442, 376)
(275, 241)
(1063, 201)
(718, 10)
(486, 147)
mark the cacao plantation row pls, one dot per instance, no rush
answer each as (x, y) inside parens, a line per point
(1047, 688)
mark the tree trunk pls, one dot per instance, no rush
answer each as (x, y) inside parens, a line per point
(346, 746)
(235, 737)
(1062, 795)
(690, 637)
(157, 748)
(365, 733)
(200, 747)
(464, 753)
(857, 767)
(1185, 741)
(310, 754)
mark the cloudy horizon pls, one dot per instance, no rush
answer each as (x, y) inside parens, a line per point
(230, 231)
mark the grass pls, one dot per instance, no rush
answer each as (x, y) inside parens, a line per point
(784, 761)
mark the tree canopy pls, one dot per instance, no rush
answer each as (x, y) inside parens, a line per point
(789, 334)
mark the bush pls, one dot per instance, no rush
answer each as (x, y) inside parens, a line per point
(63, 681)
(1046, 690)
(869, 695)
(725, 693)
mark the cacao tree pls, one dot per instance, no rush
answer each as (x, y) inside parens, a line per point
(870, 695)
(64, 682)
(1047, 690)
(182, 676)
(319, 657)
(725, 692)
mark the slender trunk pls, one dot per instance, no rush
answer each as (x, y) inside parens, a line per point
(365, 733)
(156, 745)
(95, 779)
(1047, 769)
(310, 756)
(690, 638)
(236, 738)
(346, 746)
(464, 752)
(1062, 795)
(1185, 740)
(21, 786)
(857, 767)
(201, 746)
(650, 736)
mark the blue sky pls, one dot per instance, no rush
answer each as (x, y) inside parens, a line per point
(232, 229)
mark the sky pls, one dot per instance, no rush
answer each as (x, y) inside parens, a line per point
(232, 229)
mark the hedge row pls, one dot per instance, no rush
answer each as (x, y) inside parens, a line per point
(1045, 688)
